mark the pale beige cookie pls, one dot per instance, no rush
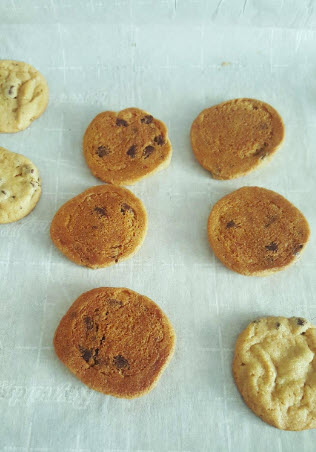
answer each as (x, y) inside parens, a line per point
(116, 341)
(122, 148)
(23, 95)
(20, 186)
(274, 368)
(233, 138)
(255, 231)
(102, 226)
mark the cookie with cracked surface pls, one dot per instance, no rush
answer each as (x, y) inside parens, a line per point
(116, 341)
(23, 95)
(20, 186)
(100, 227)
(122, 148)
(255, 231)
(274, 368)
(233, 138)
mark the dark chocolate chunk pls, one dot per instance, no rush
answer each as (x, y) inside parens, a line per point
(88, 322)
(277, 325)
(85, 353)
(272, 247)
(120, 362)
(147, 119)
(102, 151)
(126, 208)
(121, 122)
(132, 151)
(297, 250)
(148, 151)
(101, 211)
(300, 321)
(159, 140)
(230, 224)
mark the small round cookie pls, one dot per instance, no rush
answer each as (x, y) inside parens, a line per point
(233, 138)
(20, 186)
(274, 368)
(100, 227)
(23, 95)
(255, 231)
(116, 341)
(122, 148)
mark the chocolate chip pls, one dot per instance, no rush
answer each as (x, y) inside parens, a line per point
(101, 211)
(132, 151)
(126, 208)
(13, 197)
(159, 140)
(120, 362)
(94, 227)
(297, 250)
(32, 171)
(272, 247)
(10, 90)
(88, 322)
(277, 325)
(102, 151)
(148, 151)
(121, 122)
(243, 364)
(255, 108)
(257, 321)
(147, 119)
(300, 321)
(85, 353)
(114, 302)
(2, 191)
(261, 153)
(230, 224)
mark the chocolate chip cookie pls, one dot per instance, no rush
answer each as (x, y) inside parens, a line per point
(100, 227)
(255, 231)
(122, 148)
(20, 186)
(23, 95)
(116, 341)
(233, 138)
(274, 368)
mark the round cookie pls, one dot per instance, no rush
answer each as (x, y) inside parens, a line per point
(233, 138)
(274, 368)
(122, 148)
(116, 341)
(23, 95)
(255, 231)
(100, 227)
(20, 186)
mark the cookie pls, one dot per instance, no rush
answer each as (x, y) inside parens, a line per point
(116, 341)
(100, 227)
(20, 186)
(274, 368)
(122, 148)
(255, 231)
(23, 95)
(233, 138)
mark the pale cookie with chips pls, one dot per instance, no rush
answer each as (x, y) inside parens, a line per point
(23, 95)
(20, 186)
(274, 368)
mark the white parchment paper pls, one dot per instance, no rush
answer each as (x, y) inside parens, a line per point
(172, 58)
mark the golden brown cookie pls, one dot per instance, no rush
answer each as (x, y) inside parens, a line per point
(20, 186)
(116, 341)
(255, 231)
(23, 95)
(274, 368)
(100, 227)
(233, 138)
(122, 148)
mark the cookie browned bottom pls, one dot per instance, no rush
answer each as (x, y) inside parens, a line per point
(116, 341)
(122, 148)
(233, 138)
(100, 227)
(274, 368)
(255, 231)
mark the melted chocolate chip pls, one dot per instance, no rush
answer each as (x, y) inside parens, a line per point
(297, 250)
(120, 362)
(132, 151)
(101, 211)
(272, 247)
(85, 353)
(147, 119)
(230, 224)
(159, 140)
(102, 151)
(121, 122)
(88, 322)
(300, 321)
(148, 151)
(126, 208)
(277, 325)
